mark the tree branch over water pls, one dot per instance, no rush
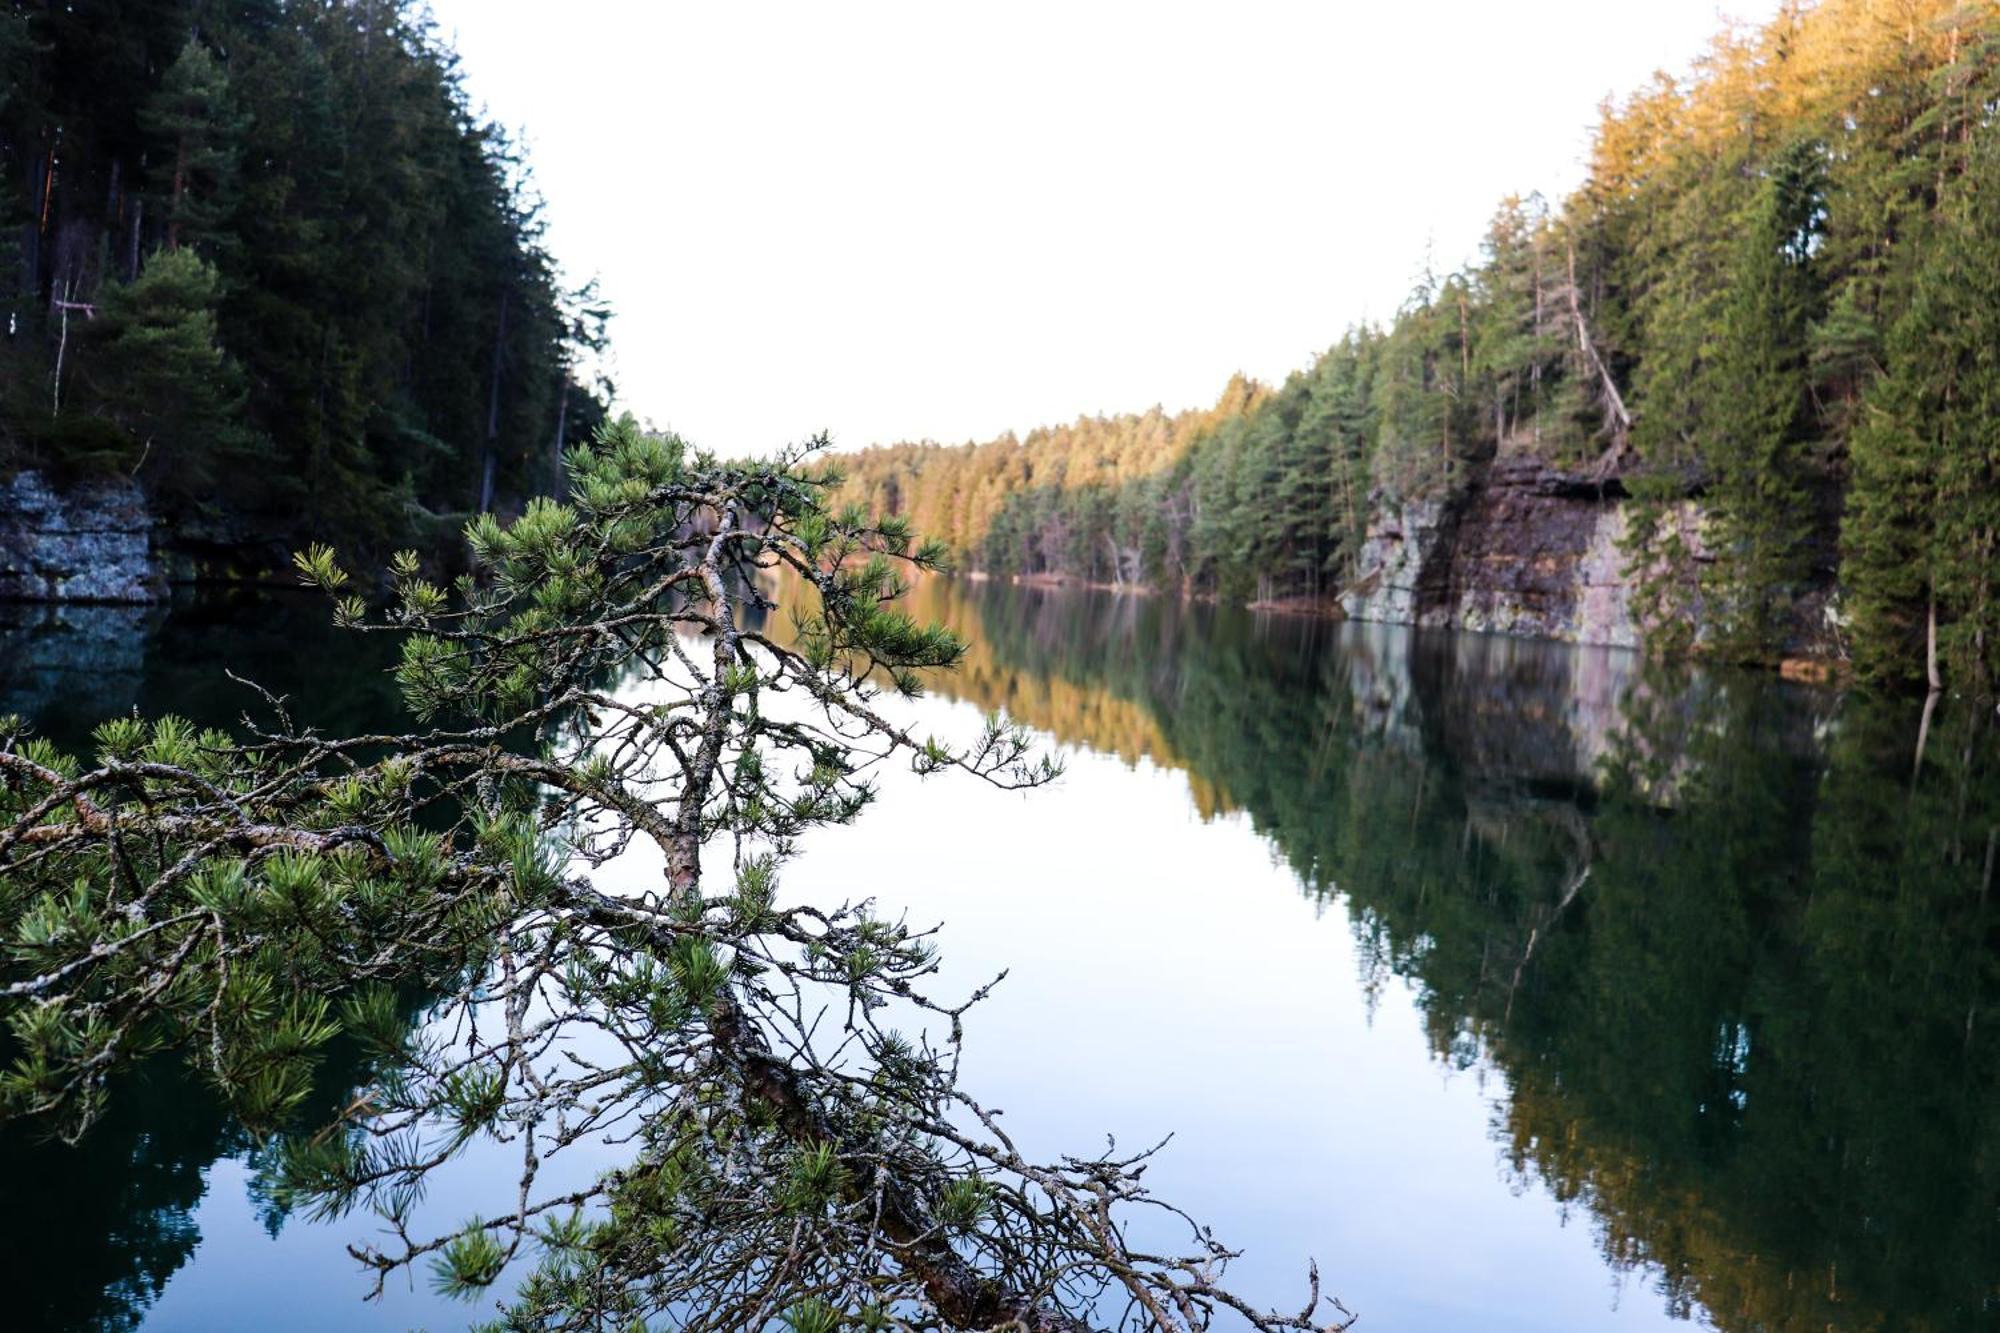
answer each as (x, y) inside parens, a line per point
(784, 1076)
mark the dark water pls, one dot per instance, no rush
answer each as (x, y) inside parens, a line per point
(1527, 987)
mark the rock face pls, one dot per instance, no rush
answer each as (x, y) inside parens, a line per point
(93, 543)
(1532, 552)
(1403, 581)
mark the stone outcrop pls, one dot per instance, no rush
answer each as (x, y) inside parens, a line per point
(91, 543)
(1531, 551)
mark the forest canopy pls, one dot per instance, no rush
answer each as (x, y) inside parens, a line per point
(263, 256)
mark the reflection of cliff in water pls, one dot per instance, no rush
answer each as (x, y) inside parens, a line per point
(50, 653)
(1736, 965)
(66, 668)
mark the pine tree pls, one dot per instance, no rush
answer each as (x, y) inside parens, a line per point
(1700, 322)
(381, 275)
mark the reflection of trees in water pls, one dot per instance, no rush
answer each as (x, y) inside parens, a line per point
(91, 1234)
(1756, 1041)
(1737, 967)
(1767, 1057)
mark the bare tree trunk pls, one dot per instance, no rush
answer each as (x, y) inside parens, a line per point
(1923, 734)
(562, 429)
(1935, 679)
(65, 302)
(1614, 402)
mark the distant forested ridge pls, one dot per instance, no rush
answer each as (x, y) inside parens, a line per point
(1775, 294)
(262, 255)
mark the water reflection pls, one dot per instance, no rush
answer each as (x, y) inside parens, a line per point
(1735, 954)
(1731, 949)
(91, 1234)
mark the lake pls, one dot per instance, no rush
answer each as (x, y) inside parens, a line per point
(1526, 987)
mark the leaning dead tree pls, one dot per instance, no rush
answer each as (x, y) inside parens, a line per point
(606, 687)
(1617, 419)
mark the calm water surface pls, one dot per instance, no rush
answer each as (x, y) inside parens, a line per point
(1524, 987)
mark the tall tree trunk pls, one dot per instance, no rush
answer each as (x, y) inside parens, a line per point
(1930, 646)
(1923, 736)
(132, 240)
(180, 188)
(1464, 343)
(1616, 417)
(1535, 360)
(556, 487)
(487, 460)
(62, 346)
(40, 174)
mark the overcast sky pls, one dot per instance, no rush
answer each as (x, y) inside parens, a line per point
(944, 220)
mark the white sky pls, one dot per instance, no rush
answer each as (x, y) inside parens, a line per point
(945, 220)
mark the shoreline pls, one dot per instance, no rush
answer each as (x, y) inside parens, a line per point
(1796, 668)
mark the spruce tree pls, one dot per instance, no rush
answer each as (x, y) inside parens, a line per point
(194, 131)
(1923, 513)
(1759, 503)
(159, 370)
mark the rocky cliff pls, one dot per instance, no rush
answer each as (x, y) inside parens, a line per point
(1531, 551)
(90, 543)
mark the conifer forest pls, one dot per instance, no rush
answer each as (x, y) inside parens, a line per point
(1493, 828)
(1773, 293)
(263, 257)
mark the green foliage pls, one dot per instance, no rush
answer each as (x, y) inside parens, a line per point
(288, 275)
(963, 1202)
(160, 371)
(466, 1267)
(427, 899)
(195, 137)
(813, 1316)
(1922, 533)
(817, 1178)
(1757, 399)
